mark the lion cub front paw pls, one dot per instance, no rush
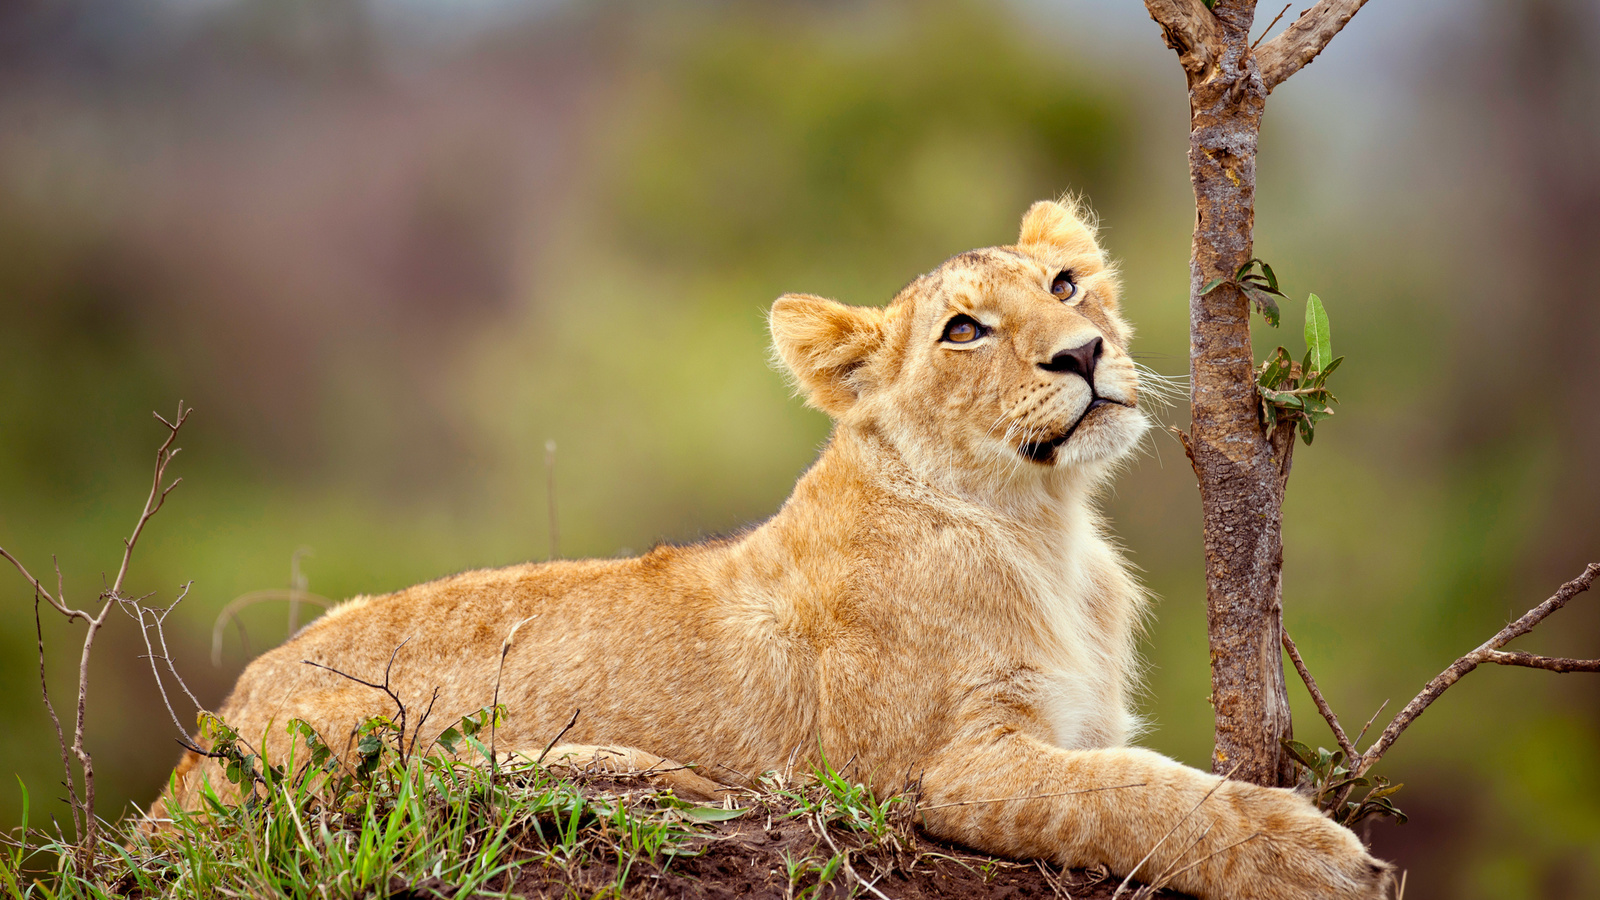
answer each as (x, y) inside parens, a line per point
(1300, 853)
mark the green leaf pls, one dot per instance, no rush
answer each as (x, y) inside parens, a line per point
(1265, 303)
(1385, 791)
(1305, 430)
(1272, 280)
(713, 813)
(1212, 285)
(449, 739)
(1332, 365)
(1276, 369)
(1300, 752)
(1319, 343)
(1284, 399)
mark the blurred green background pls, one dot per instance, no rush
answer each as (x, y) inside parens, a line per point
(388, 249)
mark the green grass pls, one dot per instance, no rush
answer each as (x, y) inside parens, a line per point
(319, 828)
(442, 822)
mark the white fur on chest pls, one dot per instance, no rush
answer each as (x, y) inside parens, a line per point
(1081, 684)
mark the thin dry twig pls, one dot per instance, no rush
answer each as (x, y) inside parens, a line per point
(156, 621)
(61, 740)
(1316, 696)
(559, 735)
(1111, 787)
(1173, 830)
(1548, 663)
(1367, 727)
(1216, 852)
(400, 706)
(1488, 652)
(1268, 30)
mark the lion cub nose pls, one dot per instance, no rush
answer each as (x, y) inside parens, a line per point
(1078, 359)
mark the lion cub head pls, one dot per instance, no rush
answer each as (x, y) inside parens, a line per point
(1002, 364)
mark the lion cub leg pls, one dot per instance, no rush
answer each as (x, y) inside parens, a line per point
(658, 771)
(1016, 796)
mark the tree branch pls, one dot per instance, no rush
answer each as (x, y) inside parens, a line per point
(1317, 698)
(1189, 28)
(1300, 43)
(1549, 663)
(1489, 651)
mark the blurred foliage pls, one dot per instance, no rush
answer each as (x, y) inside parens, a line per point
(387, 266)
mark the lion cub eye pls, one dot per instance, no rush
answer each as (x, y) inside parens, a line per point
(964, 329)
(1063, 287)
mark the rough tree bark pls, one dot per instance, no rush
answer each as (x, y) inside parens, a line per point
(1241, 467)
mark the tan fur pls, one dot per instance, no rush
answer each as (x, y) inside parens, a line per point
(929, 604)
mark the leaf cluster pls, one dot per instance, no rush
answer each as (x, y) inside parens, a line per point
(1259, 283)
(1328, 776)
(1299, 392)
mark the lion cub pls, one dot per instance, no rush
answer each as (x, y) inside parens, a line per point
(936, 601)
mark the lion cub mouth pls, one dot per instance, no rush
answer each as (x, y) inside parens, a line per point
(1044, 452)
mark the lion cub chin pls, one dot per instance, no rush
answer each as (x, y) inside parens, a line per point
(936, 601)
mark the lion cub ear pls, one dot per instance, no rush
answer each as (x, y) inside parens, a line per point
(826, 345)
(1065, 228)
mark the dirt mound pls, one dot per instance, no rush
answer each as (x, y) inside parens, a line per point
(783, 845)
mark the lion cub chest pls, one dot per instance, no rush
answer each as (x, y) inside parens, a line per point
(1077, 596)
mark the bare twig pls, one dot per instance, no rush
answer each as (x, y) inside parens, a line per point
(158, 494)
(1317, 698)
(40, 590)
(559, 735)
(1365, 728)
(416, 731)
(1112, 787)
(1190, 29)
(61, 740)
(1268, 30)
(400, 707)
(157, 621)
(1486, 652)
(1305, 37)
(1215, 852)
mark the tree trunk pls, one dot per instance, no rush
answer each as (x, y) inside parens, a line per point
(1242, 470)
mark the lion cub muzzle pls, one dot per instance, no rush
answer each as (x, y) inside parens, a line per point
(1080, 361)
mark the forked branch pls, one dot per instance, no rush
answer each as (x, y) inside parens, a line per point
(1305, 37)
(1487, 652)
